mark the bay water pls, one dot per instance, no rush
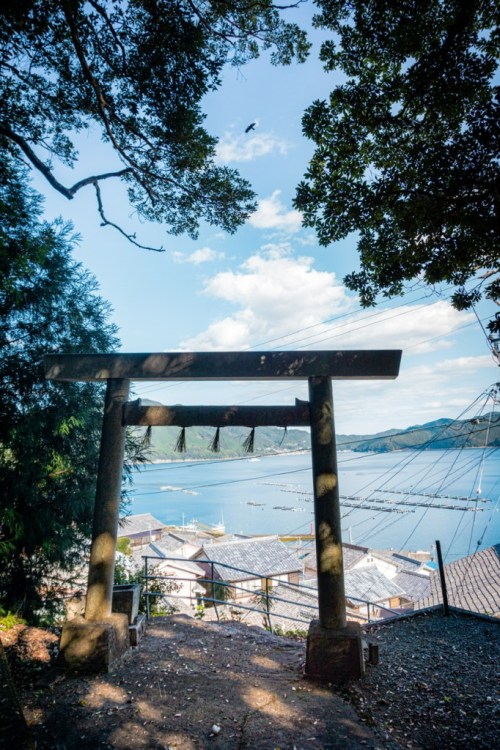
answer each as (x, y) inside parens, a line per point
(399, 500)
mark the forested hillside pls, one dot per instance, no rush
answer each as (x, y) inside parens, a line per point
(441, 434)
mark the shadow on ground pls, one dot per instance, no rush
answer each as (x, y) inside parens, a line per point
(192, 685)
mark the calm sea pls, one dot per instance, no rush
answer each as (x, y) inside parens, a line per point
(273, 494)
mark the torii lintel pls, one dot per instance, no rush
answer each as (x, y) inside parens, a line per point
(279, 365)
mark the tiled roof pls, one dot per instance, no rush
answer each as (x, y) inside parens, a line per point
(144, 551)
(230, 538)
(158, 550)
(186, 565)
(263, 557)
(141, 523)
(472, 583)
(408, 563)
(415, 585)
(291, 608)
(368, 583)
(351, 555)
(187, 536)
(168, 544)
(395, 558)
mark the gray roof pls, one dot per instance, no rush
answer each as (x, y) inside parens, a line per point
(168, 544)
(141, 523)
(188, 536)
(291, 608)
(266, 556)
(187, 565)
(158, 550)
(415, 585)
(145, 551)
(230, 538)
(403, 561)
(300, 604)
(368, 583)
(472, 583)
(351, 554)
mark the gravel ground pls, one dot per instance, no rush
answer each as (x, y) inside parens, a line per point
(436, 684)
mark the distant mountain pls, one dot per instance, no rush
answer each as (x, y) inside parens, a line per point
(440, 434)
(199, 439)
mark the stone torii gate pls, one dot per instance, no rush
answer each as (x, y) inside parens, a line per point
(334, 650)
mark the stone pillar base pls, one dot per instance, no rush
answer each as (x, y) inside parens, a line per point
(90, 646)
(334, 656)
(137, 630)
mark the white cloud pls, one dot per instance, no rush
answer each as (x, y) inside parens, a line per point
(271, 213)
(241, 148)
(464, 364)
(417, 329)
(276, 294)
(202, 255)
(420, 394)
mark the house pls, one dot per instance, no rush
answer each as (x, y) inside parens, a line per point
(169, 563)
(415, 585)
(356, 557)
(142, 528)
(183, 542)
(291, 608)
(370, 594)
(249, 565)
(352, 555)
(472, 583)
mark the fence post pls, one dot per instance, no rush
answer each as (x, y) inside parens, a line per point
(146, 592)
(267, 606)
(213, 591)
(446, 609)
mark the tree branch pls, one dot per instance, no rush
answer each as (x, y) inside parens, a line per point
(102, 12)
(106, 223)
(97, 178)
(6, 131)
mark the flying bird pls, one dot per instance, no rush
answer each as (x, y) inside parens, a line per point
(250, 127)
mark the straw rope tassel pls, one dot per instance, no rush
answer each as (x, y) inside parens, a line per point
(180, 445)
(249, 442)
(215, 444)
(284, 436)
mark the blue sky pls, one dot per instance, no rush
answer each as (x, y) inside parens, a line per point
(270, 286)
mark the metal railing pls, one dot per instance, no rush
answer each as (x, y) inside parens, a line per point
(223, 596)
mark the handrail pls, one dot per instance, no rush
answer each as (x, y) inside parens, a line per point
(267, 597)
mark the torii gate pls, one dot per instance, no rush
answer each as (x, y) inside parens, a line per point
(334, 646)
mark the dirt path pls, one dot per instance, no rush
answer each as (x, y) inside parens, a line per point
(192, 685)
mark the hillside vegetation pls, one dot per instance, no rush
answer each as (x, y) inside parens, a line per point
(441, 434)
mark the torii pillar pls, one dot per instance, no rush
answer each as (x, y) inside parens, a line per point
(334, 652)
(334, 646)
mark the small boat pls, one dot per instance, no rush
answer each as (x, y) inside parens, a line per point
(219, 528)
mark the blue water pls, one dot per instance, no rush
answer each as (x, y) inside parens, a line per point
(245, 493)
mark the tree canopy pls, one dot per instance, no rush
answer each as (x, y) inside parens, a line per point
(49, 432)
(406, 147)
(137, 70)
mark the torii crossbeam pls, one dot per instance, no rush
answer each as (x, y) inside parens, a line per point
(318, 368)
